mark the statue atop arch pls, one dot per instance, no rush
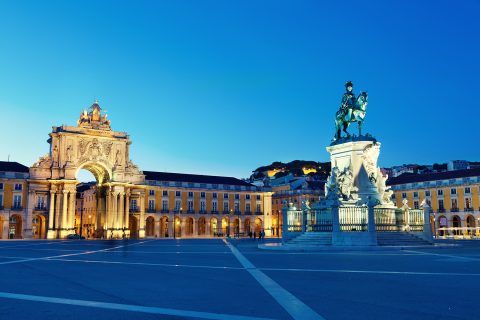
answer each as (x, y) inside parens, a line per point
(93, 118)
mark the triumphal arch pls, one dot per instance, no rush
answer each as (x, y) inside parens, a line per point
(94, 146)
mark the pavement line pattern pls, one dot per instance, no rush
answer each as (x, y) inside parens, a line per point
(128, 307)
(444, 255)
(294, 306)
(374, 272)
(72, 254)
(147, 264)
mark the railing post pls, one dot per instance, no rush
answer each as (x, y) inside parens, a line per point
(427, 229)
(372, 228)
(335, 217)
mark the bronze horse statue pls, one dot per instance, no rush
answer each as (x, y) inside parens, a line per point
(345, 116)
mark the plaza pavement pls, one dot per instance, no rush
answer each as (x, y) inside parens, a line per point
(233, 279)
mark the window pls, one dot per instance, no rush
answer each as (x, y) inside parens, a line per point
(415, 194)
(237, 196)
(17, 201)
(427, 193)
(202, 194)
(151, 192)
(225, 206)
(454, 204)
(440, 205)
(165, 193)
(178, 204)
(1, 200)
(203, 206)
(247, 207)
(178, 194)
(151, 205)
(258, 197)
(214, 195)
(214, 206)
(18, 186)
(453, 191)
(259, 207)
(165, 205)
(440, 192)
(404, 195)
(40, 202)
(415, 205)
(133, 204)
(190, 205)
(237, 207)
(225, 196)
(467, 189)
(190, 194)
(1, 186)
(468, 203)
(247, 197)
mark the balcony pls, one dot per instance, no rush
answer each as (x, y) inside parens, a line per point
(238, 212)
(151, 210)
(1, 207)
(248, 212)
(191, 211)
(17, 208)
(468, 209)
(202, 211)
(454, 210)
(441, 210)
(258, 213)
(134, 210)
(225, 211)
(164, 211)
(214, 212)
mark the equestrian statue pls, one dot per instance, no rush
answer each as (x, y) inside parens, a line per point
(352, 109)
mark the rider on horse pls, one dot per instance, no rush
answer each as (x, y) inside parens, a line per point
(348, 101)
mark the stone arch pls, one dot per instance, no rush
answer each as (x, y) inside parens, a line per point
(225, 228)
(91, 145)
(236, 226)
(177, 227)
(133, 226)
(189, 226)
(258, 225)
(213, 226)
(201, 230)
(39, 226)
(150, 226)
(101, 171)
(442, 222)
(15, 227)
(164, 227)
(470, 223)
(246, 226)
(456, 223)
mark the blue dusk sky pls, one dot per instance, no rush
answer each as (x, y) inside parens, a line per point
(222, 87)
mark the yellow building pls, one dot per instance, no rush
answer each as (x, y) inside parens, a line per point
(310, 191)
(452, 195)
(13, 200)
(189, 205)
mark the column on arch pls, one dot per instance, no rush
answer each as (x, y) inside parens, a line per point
(71, 210)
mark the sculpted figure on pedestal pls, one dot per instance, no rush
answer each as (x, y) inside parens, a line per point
(351, 110)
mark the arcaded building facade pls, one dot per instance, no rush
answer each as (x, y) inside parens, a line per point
(47, 201)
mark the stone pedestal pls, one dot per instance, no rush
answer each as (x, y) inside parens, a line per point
(355, 175)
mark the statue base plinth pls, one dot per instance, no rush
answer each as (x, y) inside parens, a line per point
(357, 176)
